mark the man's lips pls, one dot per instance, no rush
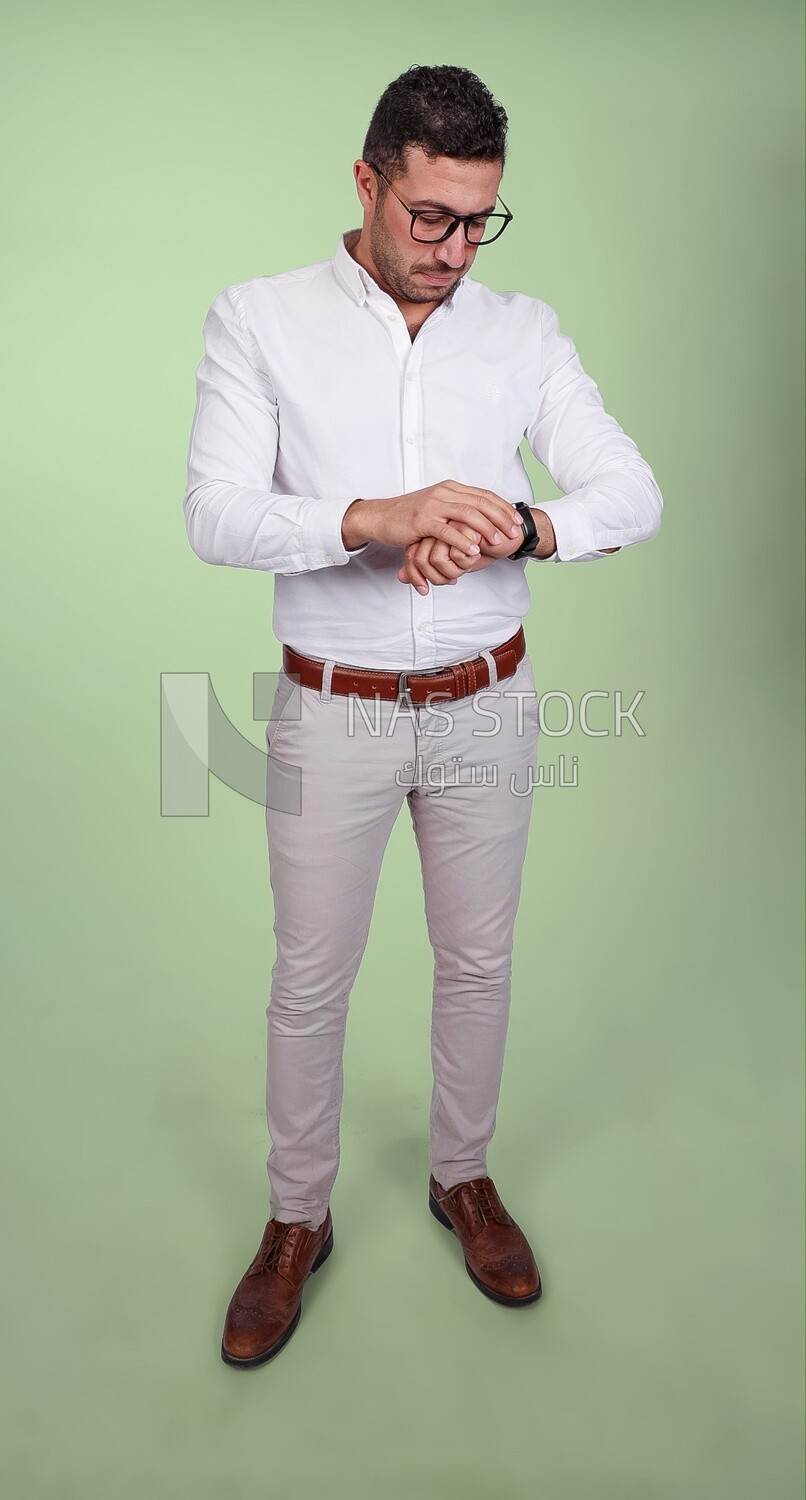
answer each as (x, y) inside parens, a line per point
(439, 278)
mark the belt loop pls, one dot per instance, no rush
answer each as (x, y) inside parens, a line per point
(327, 677)
(492, 666)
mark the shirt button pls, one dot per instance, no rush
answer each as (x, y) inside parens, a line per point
(410, 375)
(410, 437)
(328, 558)
(391, 317)
(424, 625)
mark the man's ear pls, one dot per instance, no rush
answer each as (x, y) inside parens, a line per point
(366, 185)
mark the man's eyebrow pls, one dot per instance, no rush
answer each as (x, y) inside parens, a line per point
(444, 208)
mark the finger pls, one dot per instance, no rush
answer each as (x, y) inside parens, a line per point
(464, 559)
(429, 570)
(441, 560)
(491, 506)
(493, 528)
(404, 577)
(430, 558)
(442, 552)
(454, 535)
(413, 575)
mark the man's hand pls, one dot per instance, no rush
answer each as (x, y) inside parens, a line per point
(437, 511)
(430, 561)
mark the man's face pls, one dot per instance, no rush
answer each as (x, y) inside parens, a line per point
(411, 270)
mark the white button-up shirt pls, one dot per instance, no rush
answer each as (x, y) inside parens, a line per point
(312, 393)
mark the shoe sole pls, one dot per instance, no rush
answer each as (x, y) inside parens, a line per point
(488, 1291)
(275, 1348)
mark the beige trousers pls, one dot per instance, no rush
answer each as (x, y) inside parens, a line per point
(336, 780)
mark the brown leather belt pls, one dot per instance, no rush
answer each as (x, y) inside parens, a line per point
(458, 680)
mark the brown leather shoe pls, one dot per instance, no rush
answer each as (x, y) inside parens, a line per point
(266, 1305)
(498, 1257)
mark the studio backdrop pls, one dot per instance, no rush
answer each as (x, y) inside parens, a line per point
(650, 1127)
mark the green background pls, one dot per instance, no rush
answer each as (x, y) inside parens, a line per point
(650, 1127)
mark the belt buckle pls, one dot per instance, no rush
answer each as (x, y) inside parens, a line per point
(403, 688)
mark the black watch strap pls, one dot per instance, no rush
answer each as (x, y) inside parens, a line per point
(530, 537)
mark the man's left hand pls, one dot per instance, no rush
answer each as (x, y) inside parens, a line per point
(431, 561)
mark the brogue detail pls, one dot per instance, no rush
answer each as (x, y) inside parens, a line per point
(266, 1305)
(498, 1257)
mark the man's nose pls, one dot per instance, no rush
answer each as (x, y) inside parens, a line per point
(452, 250)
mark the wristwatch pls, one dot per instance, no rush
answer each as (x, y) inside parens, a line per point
(531, 539)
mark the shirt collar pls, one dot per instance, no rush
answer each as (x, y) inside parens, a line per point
(357, 281)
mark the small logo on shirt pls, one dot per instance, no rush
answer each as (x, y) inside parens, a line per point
(493, 394)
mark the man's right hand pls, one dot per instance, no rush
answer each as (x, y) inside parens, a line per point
(435, 512)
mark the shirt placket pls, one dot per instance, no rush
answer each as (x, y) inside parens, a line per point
(409, 354)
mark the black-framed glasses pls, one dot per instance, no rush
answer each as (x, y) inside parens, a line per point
(434, 226)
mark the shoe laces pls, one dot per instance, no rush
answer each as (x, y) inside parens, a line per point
(484, 1200)
(279, 1241)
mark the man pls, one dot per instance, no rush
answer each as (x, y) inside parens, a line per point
(357, 434)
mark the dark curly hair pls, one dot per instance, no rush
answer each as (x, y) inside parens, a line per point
(446, 111)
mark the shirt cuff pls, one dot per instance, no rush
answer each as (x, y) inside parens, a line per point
(573, 530)
(321, 533)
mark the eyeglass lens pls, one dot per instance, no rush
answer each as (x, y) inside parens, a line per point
(429, 227)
